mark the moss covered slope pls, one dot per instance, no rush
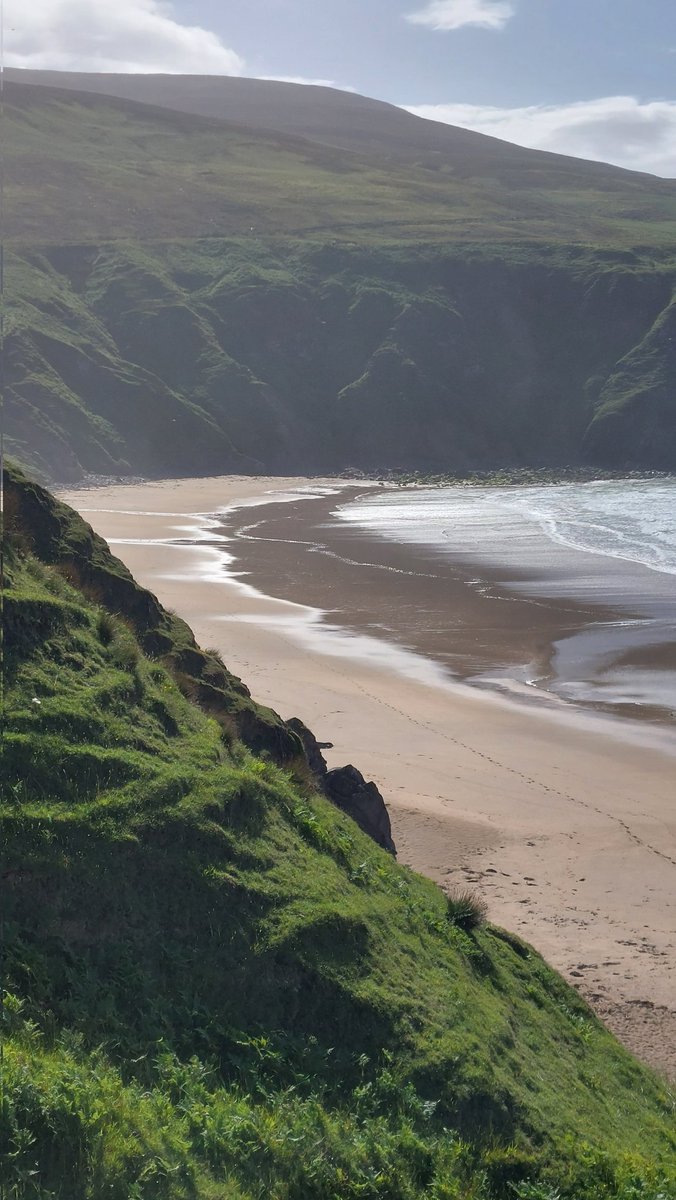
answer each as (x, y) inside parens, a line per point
(220, 988)
(217, 356)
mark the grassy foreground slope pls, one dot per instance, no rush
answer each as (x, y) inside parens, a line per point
(218, 987)
(188, 295)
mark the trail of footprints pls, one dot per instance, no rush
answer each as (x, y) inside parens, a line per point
(519, 774)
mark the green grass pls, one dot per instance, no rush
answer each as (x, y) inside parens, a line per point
(221, 988)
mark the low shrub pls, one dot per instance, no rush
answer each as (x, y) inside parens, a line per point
(466, 910)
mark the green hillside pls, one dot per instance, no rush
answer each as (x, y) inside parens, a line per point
(207, 356)
(375, 131)
(187, 295)
(217, 986)
(86, 168)
(326, 115)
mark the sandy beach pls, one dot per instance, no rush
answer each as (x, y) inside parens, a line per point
(565, 822)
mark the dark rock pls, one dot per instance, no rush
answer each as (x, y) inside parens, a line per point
(267, 735)
(347, 789)
(362, 801)
(313, 748)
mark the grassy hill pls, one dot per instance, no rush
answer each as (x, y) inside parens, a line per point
(347, 121)
(86, 167)
(217, 986)
(188, 294)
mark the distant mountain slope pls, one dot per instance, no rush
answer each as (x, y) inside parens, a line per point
(341, 119)
(83, 167)
(189, 295)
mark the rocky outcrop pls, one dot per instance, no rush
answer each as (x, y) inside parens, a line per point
(362, 801)
(313, 748)
(347, 789)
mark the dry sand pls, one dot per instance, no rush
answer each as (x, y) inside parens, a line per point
(567, 825)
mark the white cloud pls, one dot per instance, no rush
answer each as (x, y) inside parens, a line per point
(111, 35)
(327, 83)
(447, 15)
(615, 129)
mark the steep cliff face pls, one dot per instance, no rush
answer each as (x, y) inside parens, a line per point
(223, 356)
(635, 418)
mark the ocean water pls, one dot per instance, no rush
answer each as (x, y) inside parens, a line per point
(631, 521)
(609, 544)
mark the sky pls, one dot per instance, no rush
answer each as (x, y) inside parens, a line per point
(593, 78)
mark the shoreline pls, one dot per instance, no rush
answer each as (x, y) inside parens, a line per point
(476, 623)
(569, 832)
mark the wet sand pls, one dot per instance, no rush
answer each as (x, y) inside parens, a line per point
(499, 627)
(565, 822)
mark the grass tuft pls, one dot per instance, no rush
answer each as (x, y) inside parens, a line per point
(466, 910)
(105, 627)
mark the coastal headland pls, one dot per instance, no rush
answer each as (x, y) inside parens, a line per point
(563, 821)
